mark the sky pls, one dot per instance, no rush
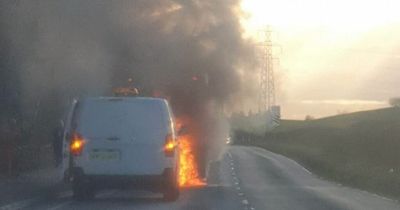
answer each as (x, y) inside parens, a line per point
(334, 56)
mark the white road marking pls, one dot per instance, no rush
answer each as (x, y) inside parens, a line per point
(19, 204)
(245, 202)
(59, 206)
(378, 196)
(296, 163)
(259, 153)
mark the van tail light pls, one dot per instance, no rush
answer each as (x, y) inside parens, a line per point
(77, 144)
(170, 145)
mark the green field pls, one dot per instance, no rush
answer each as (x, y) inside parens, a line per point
(360, 149)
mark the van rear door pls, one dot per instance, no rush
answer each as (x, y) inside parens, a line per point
(123, 136)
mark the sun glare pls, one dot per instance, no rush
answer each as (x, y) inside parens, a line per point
(345, 15)
(347, 42)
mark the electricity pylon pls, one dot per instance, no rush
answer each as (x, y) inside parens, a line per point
(267, 80)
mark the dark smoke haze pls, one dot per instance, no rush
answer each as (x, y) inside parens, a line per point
(189, 50)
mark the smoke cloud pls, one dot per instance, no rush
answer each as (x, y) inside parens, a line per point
(190, 51)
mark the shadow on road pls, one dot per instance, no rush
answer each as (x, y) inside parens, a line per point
(126, 199)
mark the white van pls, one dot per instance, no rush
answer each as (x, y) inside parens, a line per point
(121, 142)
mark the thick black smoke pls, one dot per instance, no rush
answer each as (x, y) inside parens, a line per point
(190, 51)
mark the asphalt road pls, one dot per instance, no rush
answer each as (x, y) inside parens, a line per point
(244, 178)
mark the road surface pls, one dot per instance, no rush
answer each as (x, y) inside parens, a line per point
(244, 178)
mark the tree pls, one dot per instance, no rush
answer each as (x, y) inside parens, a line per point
(309, 117)
(250, 113)
(394, 102)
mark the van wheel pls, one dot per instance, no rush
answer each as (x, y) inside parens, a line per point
(82, 191)
(171, 190)
(171, 194)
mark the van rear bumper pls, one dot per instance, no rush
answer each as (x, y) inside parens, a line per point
(155, 183)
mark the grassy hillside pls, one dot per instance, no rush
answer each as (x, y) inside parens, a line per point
(359, 149)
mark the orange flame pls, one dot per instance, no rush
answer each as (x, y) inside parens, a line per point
(188, 171)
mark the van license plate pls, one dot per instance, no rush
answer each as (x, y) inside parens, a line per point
(104, 155)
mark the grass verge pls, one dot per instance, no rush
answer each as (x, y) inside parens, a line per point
(361, 150)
